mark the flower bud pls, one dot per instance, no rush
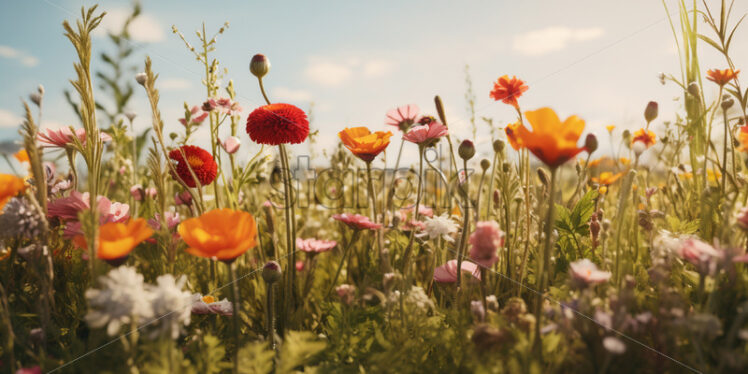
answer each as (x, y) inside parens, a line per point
(727, 102)
(141, 78)
(694, 90)
(590, 143)
(271, 272)
(466, 150)
(638, 147)
(36, 98)
(505, 167)
(40, 89)
(183, 198)
(543, 176)
(485, 164)
(130, 115)
(231, 144)
(498, 145)
(259, 66)
(651, 111)
(137, 192)
(662, 78)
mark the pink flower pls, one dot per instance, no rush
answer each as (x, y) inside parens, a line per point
(357, 221)
(447, 273)
(183, 198)
(208, 305)
(426, 135)
(63, 137)
(137, 192)
(231, 144)
(585, 272)
(172, 220)
(743, 218)
(422, 211)
(312, 245)
(699, 253)
(403, 117)
(151, 192)
(299, 265)
(226, 106)
(485, 242)
(191, 119)
(346, 292)
(67, 209)
(31, 370)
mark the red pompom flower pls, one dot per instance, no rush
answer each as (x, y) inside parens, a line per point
(276, 124)
(201, 162)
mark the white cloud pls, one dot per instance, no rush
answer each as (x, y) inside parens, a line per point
(173, 84)
(290, 94)
(9, 119)
(145, 28)
(328, 72)
(377, 68)
(24, 58)
(551, 39)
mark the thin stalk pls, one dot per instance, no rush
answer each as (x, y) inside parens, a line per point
(290, 241)
(235, 315)
(408, 248)
(465, 227)
(346, 253)
(373, 199)
(270, 317)
(544, 267)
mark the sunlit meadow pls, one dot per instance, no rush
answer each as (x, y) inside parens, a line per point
(522, 244)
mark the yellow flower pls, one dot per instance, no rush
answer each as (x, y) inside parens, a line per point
(610, 128)
(22, 156)
(10, 186)
(607, 178)
(363, 143)
(646, 136)
(220, 234)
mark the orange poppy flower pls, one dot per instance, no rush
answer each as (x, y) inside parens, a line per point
(220, 234)
(624, 161)
(511, 136)
(743, 139)
(10, 186)
(117, 240)
(607, 178)
(508, 90)
(22, 156)
(646, 136)
(363, 143)
(721, 77)
(552, 141)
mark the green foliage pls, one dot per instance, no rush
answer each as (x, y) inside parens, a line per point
(297, 350)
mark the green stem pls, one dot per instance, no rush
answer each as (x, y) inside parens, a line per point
(373, 199)
(346, 253)
(235, 315)
(408, 248)
(544, 266)
(465, 225)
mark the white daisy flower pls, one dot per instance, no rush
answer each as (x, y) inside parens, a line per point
(123, 299)
(172, 306)
(439, 226)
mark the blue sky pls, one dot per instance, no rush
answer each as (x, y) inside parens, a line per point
(356, 60)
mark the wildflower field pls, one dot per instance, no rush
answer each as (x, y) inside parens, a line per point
(407, 248)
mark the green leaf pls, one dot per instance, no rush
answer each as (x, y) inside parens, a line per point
(256, 358)
(298, 348)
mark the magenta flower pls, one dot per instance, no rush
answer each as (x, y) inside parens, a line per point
(357, 221)
(64, 137)
(137, 192)
(485, 242)
(231, 144)
(67, 208)
(403, 117)
(447, 273)
(315, 246)
(585, 272)
(426, 135)
(192, 118)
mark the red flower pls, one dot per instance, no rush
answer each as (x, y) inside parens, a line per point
(201, 162)
(508, 90)
(276, 124)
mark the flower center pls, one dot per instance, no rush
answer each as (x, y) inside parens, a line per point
(209, 299)
(194, 161)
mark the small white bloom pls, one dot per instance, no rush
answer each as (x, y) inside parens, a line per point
(614, 345)
(123, 299)
(439, 226)
(208, 305)
(639, 147)
(172, 306)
